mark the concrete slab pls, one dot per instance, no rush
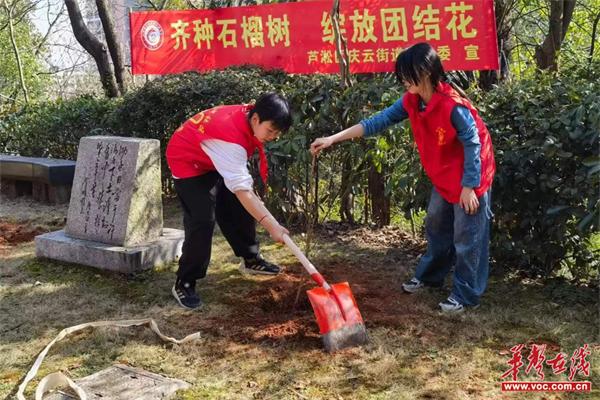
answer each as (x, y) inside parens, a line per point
(58, 246)
(121, 382)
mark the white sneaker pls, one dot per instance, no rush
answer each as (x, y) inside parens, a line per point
(413, 285)
(451, 305)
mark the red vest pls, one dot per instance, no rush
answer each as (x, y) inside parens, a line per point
(442, 153)
(185, 156)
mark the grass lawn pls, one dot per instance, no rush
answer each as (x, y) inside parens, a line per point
(259, 338)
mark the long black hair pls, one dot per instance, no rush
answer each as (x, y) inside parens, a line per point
(418, 61)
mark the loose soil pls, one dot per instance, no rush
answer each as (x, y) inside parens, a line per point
(388, 237)
(14, 233)
(278, 310)
(275, 309)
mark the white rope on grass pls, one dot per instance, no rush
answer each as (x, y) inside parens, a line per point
(58, 379)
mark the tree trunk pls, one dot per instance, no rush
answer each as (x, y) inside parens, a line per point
(315, 169)
(502, 9)
(380, 203)
(489, 78)
(347, 199)
(94, 47)
(341, 46)
(312, 207)
(546, 54)
(367, 204)
(594, 31)
(13, 42)
(113, 44)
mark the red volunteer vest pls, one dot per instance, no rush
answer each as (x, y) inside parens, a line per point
(185, 156)
(441, 152)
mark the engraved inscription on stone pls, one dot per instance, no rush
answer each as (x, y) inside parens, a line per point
(116, 195)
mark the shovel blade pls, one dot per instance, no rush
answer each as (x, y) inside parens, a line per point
(336, 309)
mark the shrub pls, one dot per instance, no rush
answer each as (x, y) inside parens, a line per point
(53, 129)
(545, 132)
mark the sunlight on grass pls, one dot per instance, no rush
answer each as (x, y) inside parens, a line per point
(259, 341)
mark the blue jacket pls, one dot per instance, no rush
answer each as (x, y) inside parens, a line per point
(462, 121)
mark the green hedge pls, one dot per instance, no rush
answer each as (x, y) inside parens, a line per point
(53, 129)
(546, 194)
(545, 132)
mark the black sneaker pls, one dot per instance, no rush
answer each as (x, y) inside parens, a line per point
(258, 265)
(185, 294)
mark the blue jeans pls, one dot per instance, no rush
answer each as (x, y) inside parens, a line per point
(454, 237)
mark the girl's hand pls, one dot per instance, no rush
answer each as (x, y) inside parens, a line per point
(468, 200)
(320, 144)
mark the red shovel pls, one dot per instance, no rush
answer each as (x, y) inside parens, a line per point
(338, 317)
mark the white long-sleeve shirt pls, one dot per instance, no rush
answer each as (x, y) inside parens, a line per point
(231, 162)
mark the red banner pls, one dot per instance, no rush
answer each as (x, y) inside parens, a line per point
(298, 37)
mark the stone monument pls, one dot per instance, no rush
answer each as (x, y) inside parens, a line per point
(115, 219)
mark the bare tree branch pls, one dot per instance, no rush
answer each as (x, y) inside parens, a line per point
(153, 5)
(63, 69)
(95, 47)
(13, 41)
(50, 27)
(191, 5)
(21, 14)
(520, 16)
(340, 45)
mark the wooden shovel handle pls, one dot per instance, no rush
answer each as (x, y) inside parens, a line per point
(317, 277)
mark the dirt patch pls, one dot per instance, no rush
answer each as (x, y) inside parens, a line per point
(14, 233)
(382, 238)
(22, 219)
(278, 309)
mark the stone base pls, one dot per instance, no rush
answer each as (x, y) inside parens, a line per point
(121, 382)
(40, 191)
(53, 194)
(58, 246)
